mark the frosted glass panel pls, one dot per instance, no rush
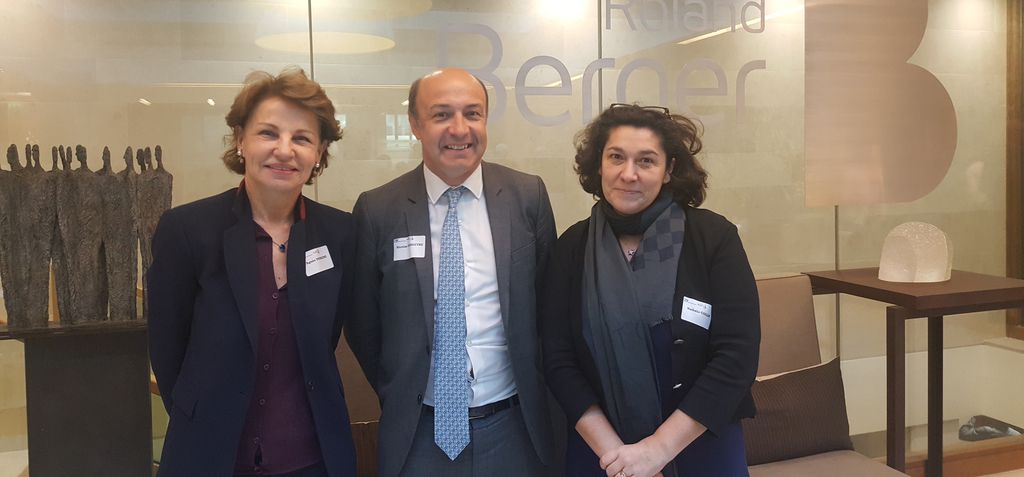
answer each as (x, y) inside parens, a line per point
(122, 73)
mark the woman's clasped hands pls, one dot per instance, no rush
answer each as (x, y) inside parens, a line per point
(643, 459)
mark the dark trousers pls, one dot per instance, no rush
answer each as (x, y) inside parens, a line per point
(315, 470)
(499, 445)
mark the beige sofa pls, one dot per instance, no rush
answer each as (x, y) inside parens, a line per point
(802, 427)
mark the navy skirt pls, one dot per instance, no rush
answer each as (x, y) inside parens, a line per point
(708, 456)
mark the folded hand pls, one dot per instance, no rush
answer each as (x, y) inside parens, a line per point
(643, 459)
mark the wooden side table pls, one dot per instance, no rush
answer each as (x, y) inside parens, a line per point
(965, 292)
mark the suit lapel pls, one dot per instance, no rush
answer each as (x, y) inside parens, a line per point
(298, 296)
(501, 233)
(417, 220)
(240, 262)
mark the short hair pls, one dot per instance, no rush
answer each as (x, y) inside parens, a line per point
(414, 90)
(679, 136)
(291, 85)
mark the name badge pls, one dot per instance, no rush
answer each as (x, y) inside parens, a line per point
(317, 260)
(413, 246)
(697, 312)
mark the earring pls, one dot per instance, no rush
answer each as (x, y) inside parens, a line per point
(238, 152)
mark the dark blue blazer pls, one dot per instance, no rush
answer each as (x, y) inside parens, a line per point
(203, 328)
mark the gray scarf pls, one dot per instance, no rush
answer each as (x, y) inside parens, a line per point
(621, 302)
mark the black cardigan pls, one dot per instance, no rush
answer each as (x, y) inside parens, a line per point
(714, 368)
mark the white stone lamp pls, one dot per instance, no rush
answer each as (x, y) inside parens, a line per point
(916, 252)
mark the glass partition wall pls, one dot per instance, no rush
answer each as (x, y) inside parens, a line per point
(824, 128)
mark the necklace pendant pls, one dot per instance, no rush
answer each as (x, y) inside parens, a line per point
(281, 248)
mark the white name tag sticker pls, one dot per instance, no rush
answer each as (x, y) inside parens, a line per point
(317, 260)
(697, 312)
(413, 246)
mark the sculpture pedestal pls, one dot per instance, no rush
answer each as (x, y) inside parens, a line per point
(87, 397)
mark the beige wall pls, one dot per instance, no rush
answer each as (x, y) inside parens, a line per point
(85, 66)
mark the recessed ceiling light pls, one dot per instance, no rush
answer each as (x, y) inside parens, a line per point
(211, 102)
(144, 102)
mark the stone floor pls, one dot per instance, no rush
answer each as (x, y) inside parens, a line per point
(14, 463)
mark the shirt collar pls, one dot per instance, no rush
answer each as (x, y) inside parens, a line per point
(437, 187)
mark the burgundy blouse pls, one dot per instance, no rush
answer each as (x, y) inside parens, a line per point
(279, 435)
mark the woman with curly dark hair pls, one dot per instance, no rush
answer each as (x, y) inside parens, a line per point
(650, 313)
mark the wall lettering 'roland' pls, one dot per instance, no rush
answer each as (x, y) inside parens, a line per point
(685, 16)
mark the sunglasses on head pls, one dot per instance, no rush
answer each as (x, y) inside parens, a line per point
(660, 109)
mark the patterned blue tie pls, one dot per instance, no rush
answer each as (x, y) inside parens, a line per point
(451, 387)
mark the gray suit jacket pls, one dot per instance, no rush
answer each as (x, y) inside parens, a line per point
(391, 331)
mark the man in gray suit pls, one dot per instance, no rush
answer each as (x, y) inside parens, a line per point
(445, 323)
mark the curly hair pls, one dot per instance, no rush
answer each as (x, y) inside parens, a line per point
(679, 136)
(293, 86)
